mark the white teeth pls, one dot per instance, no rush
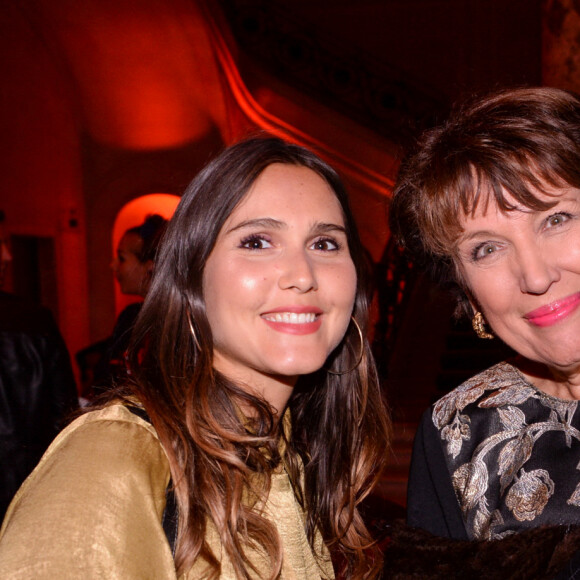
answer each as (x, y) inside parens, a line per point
(291, 317)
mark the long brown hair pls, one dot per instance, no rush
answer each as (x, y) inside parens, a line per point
(339, 432)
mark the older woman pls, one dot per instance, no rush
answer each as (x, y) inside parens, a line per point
(491, 200)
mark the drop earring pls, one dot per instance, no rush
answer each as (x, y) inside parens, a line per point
(360, 354)
(192, 330)
(478, 324)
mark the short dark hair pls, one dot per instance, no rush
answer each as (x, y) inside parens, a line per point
(519, 141)
(150, 231)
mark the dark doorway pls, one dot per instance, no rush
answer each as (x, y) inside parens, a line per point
(34, 270)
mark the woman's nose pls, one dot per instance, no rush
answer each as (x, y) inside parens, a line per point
(297, 271)
(537, 272)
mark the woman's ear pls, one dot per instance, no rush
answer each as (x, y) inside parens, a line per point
(472, 302)
(466, 304)
(149, 264)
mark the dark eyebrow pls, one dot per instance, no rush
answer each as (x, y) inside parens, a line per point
(324, 228)
(270, 223)
(258, 223)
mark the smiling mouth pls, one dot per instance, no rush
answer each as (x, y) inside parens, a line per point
(291, 317)
(554, 312)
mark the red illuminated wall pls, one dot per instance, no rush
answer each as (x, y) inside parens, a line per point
(41, 177)
(106, 101)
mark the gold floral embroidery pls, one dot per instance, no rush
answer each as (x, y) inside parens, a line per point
(470, 483)
(529, 495)
(511, 458)
(455, 433)
(505, 451)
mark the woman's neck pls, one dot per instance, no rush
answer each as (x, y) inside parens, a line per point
(552, 381)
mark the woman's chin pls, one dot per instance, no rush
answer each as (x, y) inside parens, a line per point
(299, 368)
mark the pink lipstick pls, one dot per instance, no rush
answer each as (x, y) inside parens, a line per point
(554, 312)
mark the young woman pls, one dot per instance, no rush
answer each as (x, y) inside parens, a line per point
(263, 419)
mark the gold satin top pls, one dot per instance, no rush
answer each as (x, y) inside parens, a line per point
(92, 508)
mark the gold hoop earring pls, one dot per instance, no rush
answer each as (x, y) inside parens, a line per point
(360, 354)
(192, 329)
(478, 324)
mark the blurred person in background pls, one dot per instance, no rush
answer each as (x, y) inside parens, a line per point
(37, 389)
(103, 364)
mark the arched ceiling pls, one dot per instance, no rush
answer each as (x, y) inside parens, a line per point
(143, 71)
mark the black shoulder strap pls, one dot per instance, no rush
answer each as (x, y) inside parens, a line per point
(170, 516)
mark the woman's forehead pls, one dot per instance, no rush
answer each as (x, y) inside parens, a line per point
(529, 199)
(131, 242)
(288, 190)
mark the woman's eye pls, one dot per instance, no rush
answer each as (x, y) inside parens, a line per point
(482, 251)
(255, 243)
(557, 219)
(325, 245)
